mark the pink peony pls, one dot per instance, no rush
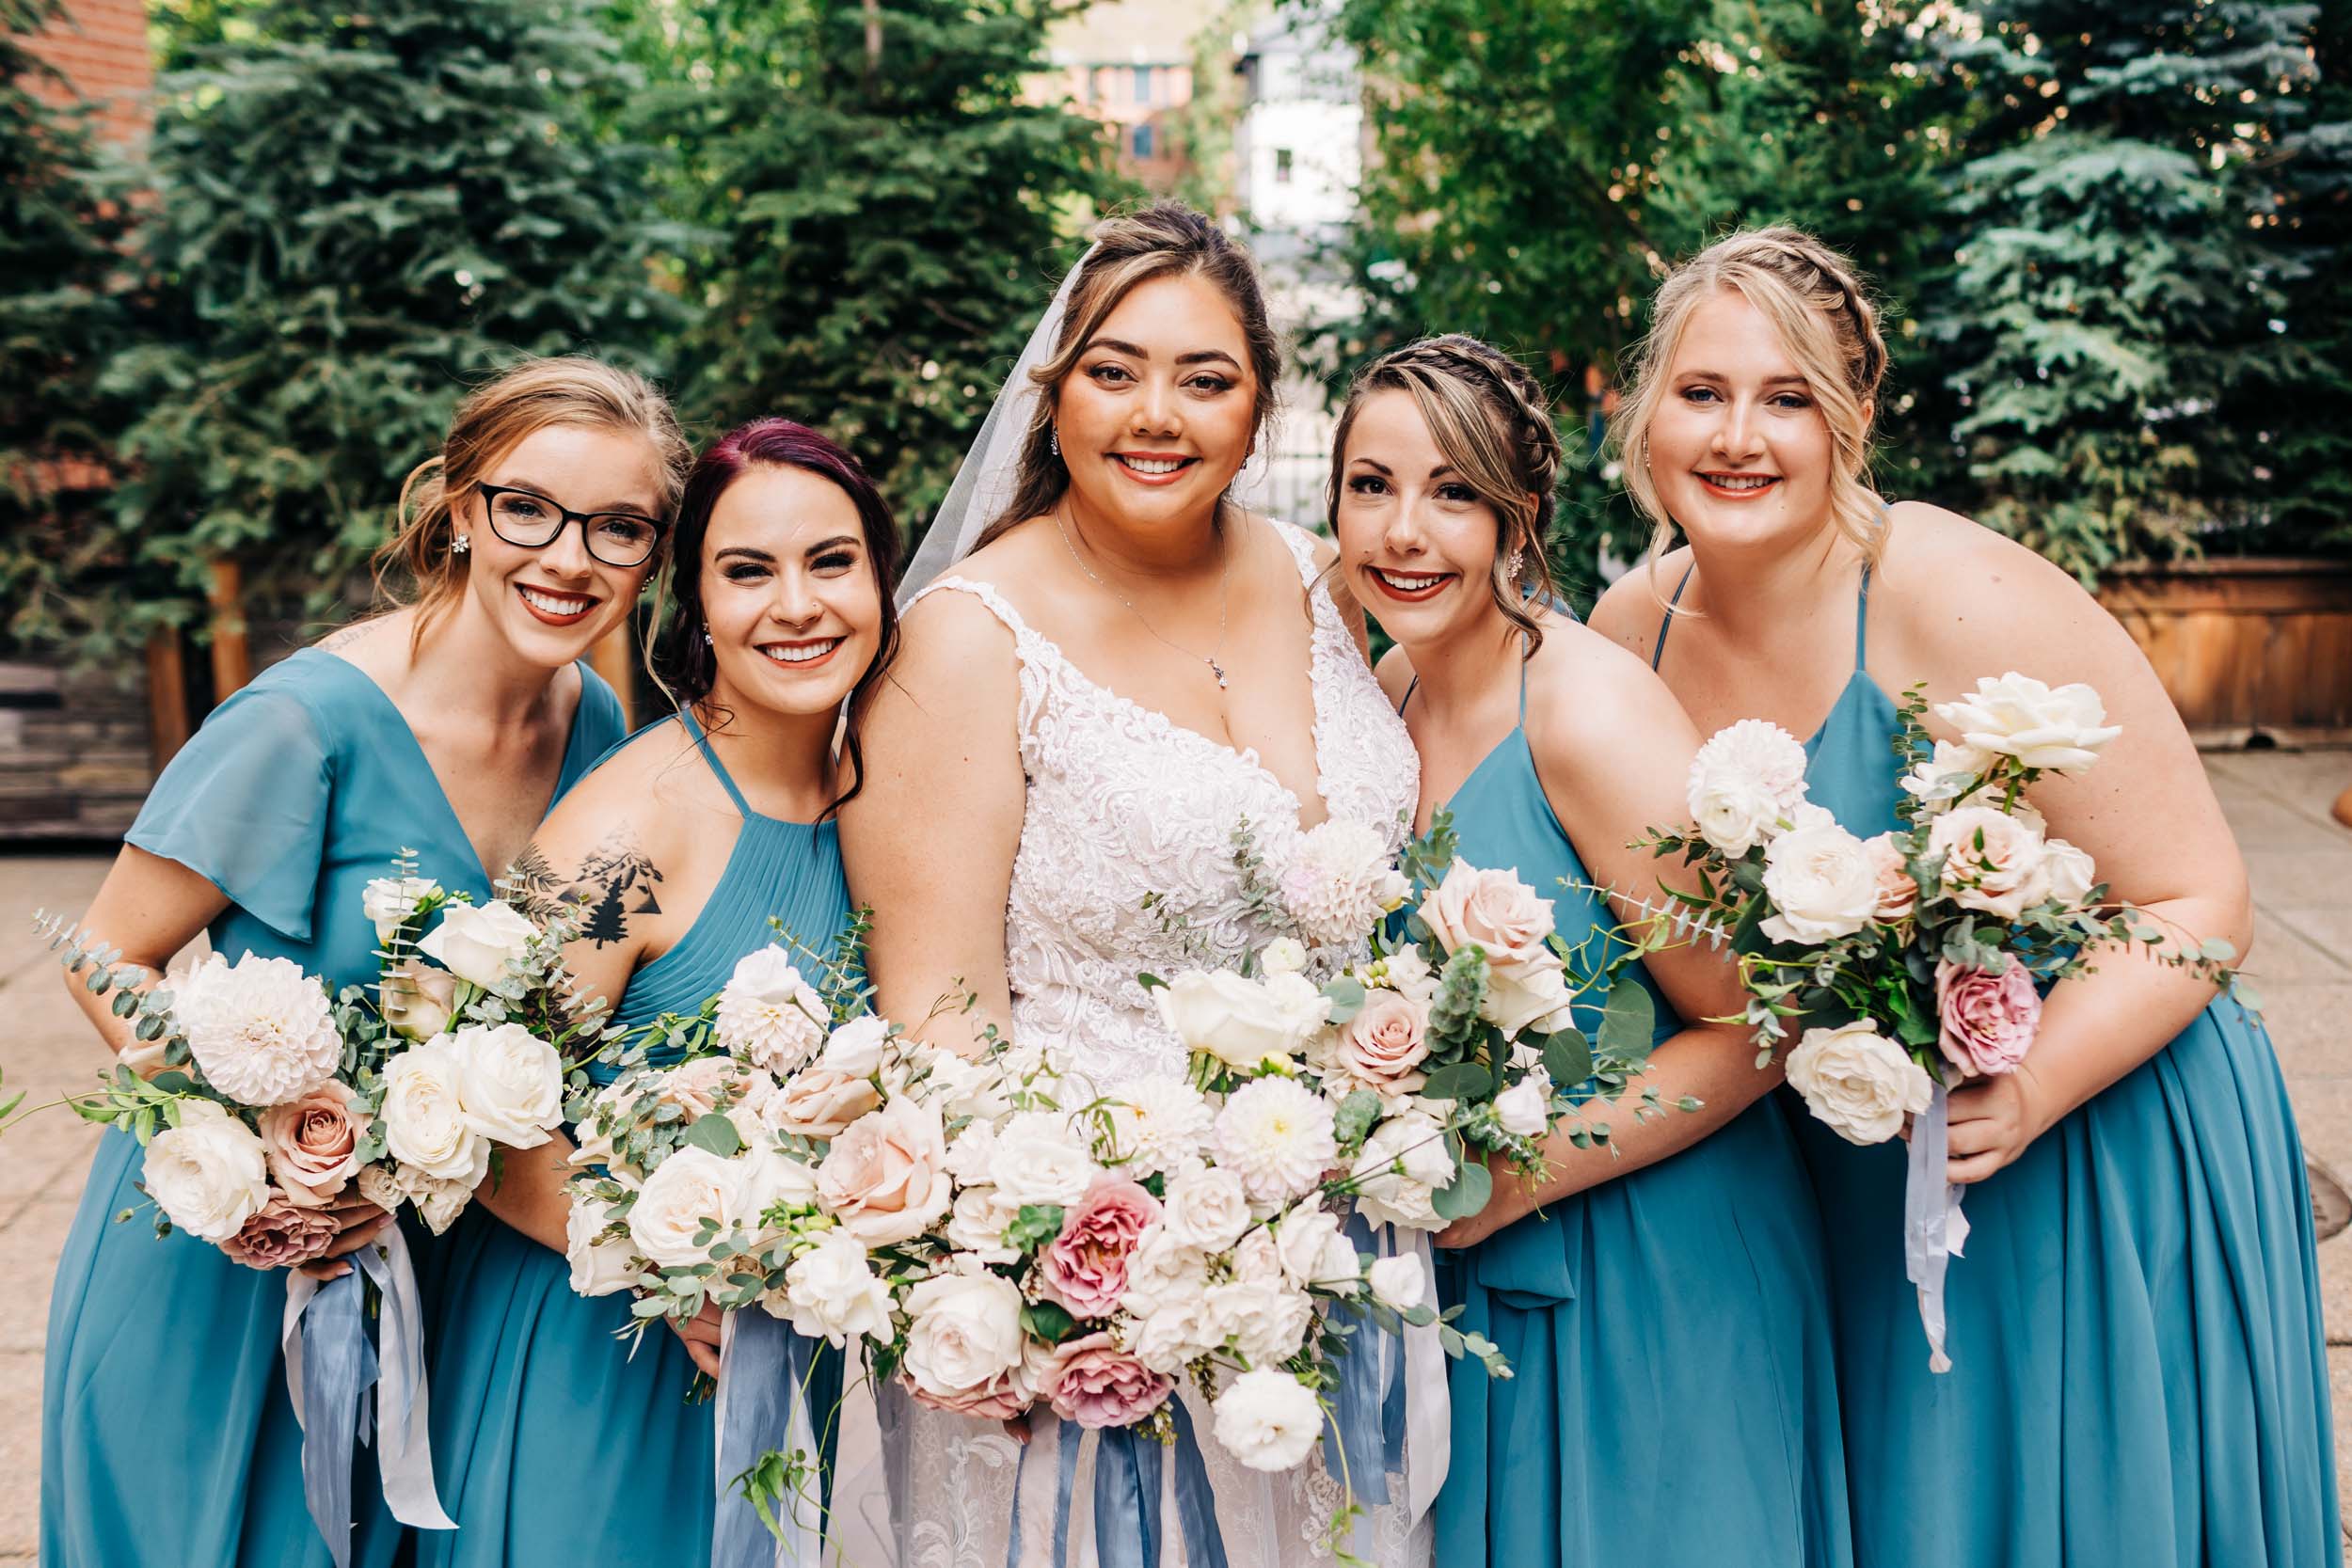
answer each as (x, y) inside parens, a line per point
(1095, 1384)
(1383, 1045)
(1898, 896)
(1000, 1398)
(1989, 1017)
(281, 1235)
(312, 1144)
(1084, 1268)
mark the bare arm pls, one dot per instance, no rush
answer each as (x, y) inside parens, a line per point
(1972, 604)
(150, 907)
(1614, 751)
(929, 844)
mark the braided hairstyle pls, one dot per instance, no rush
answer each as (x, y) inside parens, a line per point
(1489, 416)
(1827, 323)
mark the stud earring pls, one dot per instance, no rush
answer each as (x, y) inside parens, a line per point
(462, 544)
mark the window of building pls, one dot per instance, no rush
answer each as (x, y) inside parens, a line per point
(1143, 84)
(1140, 141)
(1281, 165)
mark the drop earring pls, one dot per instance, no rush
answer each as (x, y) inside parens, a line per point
(1052, 440)
(1511, 563)
(707, 642)
(462, 544)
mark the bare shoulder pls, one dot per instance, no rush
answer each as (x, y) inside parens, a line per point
(1630, 613)
(1968, 601)
(638, 790)
(1394, 672)
(1589, 697)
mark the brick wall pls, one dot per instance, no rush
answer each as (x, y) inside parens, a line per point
(102, 48)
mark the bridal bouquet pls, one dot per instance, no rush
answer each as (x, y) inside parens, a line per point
(268, 1105)
(1917, 959)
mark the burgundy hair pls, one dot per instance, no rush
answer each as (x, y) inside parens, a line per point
(681, 661)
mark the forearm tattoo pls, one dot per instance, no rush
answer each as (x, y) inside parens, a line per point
(614, 881)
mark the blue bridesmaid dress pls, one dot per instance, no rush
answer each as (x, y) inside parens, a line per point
(557, 1448)
(167, 1436)
(1673, 1402)
(2139, 1377)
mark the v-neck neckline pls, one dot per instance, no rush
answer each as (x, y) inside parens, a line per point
(1518, 731)
(440, 791)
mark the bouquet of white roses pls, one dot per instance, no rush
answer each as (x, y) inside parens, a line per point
(268, 1106)
(1915, 959)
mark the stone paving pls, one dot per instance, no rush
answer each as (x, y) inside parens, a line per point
(2278, 803)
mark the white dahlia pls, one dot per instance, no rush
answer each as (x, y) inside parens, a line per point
(1275, 1133)
(263, 1031)
(1341, 880)
(768, 1013)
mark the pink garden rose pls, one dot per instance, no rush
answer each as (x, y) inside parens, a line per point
(1494, 909)
(281, 1235)
(1000, 1398)
(1383, 1045)
(1084, 1268)
(1898, 896)
(1989, 1019)
(885, 1177)
(1092, 1381)
(312, 1144)
(819, 1102)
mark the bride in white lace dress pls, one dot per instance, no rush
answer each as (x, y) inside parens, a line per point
(1127, 685)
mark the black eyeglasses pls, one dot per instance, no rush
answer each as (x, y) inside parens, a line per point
(530, 521)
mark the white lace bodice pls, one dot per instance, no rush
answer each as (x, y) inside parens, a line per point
(1127, 862)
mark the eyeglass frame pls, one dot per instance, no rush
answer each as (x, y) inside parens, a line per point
(565, 518)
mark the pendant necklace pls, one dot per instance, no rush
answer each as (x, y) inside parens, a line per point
(1224, 586)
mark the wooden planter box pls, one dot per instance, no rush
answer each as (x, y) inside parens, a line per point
(2247, 647)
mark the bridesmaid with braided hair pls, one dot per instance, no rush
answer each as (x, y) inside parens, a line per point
(2139, 1375)
(1661, 1299)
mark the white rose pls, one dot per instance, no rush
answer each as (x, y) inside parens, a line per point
(1175, 1328)
(600, 1268)
(972, 1153)
(425, 1123)
(965, 1331)
(775, 1181)
(769, 1015)
(1400, 1167)
(1341, 1269)
(1744, 781)
(1268, 1420)
(691, 1187)
(1408, 972)
(437, 1202)
(1994, 860)
(1305, 1008)
(262, 1031)
(1399, 1281)
(1282, 955)
(1234, 1020)
(510, 1082)
(2060, 728)
(1302, 1240)
(1530, 995)
(977, 1222)
(1858, 1082)
(388, 901)
(1524, 1109)
(834, 1293)
(1936, 780)
(208, 1174)
(1266, 1319)
(1162, 1270)
(1822, 882)
(1040, 1158)
(856, 1048)
(2070, 872)
(1207, 1210)
(480, 944)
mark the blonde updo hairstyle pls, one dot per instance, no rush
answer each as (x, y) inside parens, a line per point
(1489, 416)
(570, 389)
(1828, 324)
(1164, 240)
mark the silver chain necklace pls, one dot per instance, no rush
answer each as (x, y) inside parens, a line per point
(1224, 586)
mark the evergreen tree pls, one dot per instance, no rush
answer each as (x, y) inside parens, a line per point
(358, 211)
(879, 210)
(62, 218)
(2116, 296)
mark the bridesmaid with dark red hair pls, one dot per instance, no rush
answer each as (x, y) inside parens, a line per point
(556, 1446)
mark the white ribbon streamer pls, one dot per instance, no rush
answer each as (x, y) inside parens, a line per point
(1934, 1229)
(1428, 1397)
(403, 1435)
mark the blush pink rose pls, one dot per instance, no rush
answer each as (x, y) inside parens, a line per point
(1084, 1268)
(1095, 1384)
(1384, 1044)
(279, 1234)
(1000, 1398)
(1898, 896)
(1989, 1020)
(885, 1177)
(312, 1144)
(1495, 910)
(820, 1103)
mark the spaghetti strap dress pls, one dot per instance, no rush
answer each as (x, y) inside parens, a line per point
(1673, 1400)
(558, 1446)
(168, 1440)
(2138, 1377)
